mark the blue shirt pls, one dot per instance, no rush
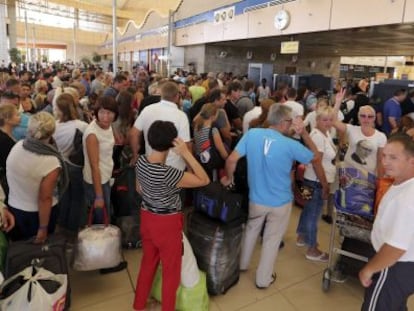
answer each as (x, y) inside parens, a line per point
(392, 108)
(270, 156)
(19, 132)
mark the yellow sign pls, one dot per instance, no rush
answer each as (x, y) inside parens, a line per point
(289, 47)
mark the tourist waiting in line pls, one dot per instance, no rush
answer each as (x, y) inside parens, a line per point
(34, 169)
(161, 211)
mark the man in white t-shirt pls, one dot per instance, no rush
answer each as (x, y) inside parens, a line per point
(297, 109)
(166, 110)
(389, 274)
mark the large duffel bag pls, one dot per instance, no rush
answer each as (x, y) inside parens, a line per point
(50, 255)
(219, 203)
(217, 248)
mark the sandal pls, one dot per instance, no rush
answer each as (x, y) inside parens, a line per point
(322, 257)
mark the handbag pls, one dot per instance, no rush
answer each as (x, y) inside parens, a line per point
(209, 157)
(76, 156)
(98, 246)
(34, 289)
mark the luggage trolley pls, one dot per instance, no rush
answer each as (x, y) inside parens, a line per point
(349, 225)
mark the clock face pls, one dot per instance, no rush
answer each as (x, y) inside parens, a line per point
(282, 19)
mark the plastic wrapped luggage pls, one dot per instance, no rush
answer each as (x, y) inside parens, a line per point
(217, 247)
(356, 192)
(219, 203)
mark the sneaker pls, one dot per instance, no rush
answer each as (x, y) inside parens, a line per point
(271, 282)
(327, 219)
(322, 257)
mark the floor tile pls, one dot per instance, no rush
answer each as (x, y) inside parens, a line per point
(119, 303)
(273, 302)
(243, 293)
(90, 288)
(308, 295)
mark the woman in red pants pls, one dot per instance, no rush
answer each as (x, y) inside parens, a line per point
(161, 215)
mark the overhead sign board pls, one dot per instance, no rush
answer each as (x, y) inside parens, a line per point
(289, 47)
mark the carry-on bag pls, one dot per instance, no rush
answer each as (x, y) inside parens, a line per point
(98, 246)
(50, 255)
(34, 289)
(219, 203)
(217, 248)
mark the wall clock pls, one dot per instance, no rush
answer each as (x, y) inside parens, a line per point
(282, 19)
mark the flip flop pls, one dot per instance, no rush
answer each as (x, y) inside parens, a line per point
(323, 257)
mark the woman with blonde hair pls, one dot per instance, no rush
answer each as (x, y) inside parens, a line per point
(34, 168)
(207, 140)
(307, 229)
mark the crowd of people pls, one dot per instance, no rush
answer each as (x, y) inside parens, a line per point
(63, 134)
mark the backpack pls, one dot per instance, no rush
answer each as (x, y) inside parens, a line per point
(209, 156)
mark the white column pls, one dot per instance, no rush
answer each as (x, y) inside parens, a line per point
(114, 40)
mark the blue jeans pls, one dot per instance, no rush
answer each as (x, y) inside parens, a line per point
(308, 222)
(90, 200)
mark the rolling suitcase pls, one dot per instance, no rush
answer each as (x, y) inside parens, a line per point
(126, 202)
(50, 255)
(217, 248)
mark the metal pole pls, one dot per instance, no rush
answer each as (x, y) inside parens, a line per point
(170, 29)
(26, 40)
(34, 47)
(114, 39)
(74, 43)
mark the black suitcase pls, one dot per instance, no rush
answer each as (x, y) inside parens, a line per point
(219, 203)
(217, 248)
(126, 202)
(50, 255)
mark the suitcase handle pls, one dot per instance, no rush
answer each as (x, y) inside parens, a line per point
(105, 216)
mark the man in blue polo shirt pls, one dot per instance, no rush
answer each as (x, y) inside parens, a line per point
(270, 156)
(392, 112)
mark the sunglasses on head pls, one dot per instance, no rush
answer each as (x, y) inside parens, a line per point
(369, 116)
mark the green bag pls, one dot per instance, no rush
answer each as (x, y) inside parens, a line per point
(3, 250)
(188, 299)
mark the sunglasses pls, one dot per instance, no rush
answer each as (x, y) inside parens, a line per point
(367, 116)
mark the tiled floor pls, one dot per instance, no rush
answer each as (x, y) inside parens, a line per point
(298, 286)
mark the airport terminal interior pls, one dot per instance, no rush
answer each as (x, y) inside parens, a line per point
(312, 44)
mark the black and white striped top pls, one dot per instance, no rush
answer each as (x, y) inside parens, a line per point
(159, 186)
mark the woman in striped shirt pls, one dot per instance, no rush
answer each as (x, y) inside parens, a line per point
(209, 146)
(161, 215)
